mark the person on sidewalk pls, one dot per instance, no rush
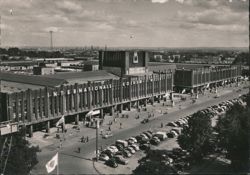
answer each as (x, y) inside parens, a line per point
(120, 125)
(109, 128)
(79, 150)
(87, 139)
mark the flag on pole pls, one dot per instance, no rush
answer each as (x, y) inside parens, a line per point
(60, 121)
(51, 165)
(208, 85)
(183, 91)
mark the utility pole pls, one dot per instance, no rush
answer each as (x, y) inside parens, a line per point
(51, 39)
(97, 127)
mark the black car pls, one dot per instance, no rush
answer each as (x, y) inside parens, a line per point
(170, 135)
(155, 141)
(119, 147)
(112, 163)
(141, 139)
(144, 146)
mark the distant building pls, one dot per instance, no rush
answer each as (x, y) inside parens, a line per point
(43, 70)
(90, 65)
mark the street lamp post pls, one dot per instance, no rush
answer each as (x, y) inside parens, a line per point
(97, 127)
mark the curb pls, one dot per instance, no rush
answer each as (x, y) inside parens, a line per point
(95, 167)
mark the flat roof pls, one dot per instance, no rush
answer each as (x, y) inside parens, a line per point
(31, 79)
(83, 77)
(161, 65)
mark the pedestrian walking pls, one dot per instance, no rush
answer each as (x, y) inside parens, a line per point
(161, 125)
(120, 125)
(87, 139)
(109, 128)
(79, 150)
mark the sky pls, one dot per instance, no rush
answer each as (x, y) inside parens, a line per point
(125, 23)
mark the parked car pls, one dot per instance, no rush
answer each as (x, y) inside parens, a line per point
(145, 136)
(107, 135)
(144, 146)
(177, 130)
(108, 153)
(130, 149)
(172, 124)
(111, 163)
(179, 123)
(135, 147)
(172, 134)
(161, 135)
(103, 157)
(141, 139)
(119, 147)
(122, 142)
(119, 159)
(113, 149)
(131, 140)
(148, 134)
(126, 153)
(175, 133)
(155, 141)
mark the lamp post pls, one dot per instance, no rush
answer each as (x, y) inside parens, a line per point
(97, 127)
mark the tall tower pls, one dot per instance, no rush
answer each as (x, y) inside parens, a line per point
(51, 39)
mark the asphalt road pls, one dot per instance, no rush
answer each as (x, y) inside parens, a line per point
(72, 162)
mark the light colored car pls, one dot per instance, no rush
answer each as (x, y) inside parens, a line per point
(107, 135)
(113, 149)
(172, 124)
(103, 157)
(135, 147)
(122, 142)
(145, 136)
(174, 133)
(131, 149)
(132, 140)
(161, 135)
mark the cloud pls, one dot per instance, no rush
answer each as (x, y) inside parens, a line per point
(213, 16)
(104, 26)
(180, 1)
(235, 5)
(68, 6)
(159, 1)
(232, 28)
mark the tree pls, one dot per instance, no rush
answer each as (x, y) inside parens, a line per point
(154, 163)
(22, 157)
(196, 137)
(233, 135)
